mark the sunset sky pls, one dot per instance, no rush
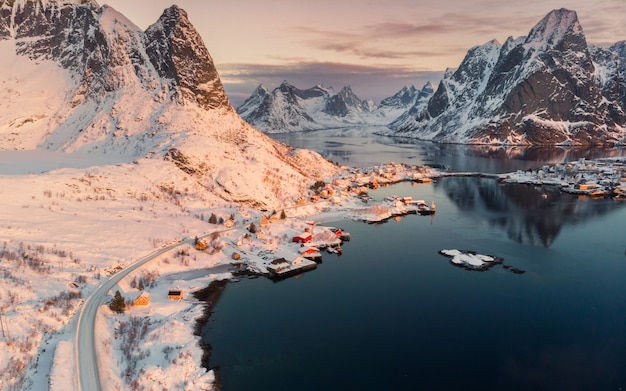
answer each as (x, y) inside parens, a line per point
(376, 46)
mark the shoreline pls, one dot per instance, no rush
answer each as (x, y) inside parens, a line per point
(209, 296)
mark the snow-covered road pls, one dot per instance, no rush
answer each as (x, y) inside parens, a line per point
(85, 348)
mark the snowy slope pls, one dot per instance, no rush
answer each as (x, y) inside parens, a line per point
(544, 88)
(85, 79)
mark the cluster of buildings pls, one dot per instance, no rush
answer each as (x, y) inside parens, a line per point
(596, 178)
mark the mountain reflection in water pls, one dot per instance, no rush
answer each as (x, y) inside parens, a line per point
(527, 214)
(363, 147)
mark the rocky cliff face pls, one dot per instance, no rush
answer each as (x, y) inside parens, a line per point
(93, 43)
(540, 89)
(345, 102)
(178, 54)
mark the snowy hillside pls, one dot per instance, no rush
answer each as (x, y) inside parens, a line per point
(549, 87)
(82, 78)
(289, 109)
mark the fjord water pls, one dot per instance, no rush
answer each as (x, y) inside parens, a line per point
(392, 313)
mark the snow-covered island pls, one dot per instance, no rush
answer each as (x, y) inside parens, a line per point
(470, 260)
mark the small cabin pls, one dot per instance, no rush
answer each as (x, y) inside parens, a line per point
(175, 294)
(277, 265)
(310, 252)
(304, 237)
(143, 299)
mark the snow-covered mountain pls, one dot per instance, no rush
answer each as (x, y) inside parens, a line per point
(288, 109)
(78, 77)
(549, 87)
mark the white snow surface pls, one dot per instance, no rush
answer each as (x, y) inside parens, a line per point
(26, 107)
(465, 258)
(92, 180)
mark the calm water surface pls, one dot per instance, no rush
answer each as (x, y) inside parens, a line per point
(361, 147)
(393, 314)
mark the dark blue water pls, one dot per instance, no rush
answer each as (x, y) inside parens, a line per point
(393, 314)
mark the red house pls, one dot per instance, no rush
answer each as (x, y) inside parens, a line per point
(302, 238)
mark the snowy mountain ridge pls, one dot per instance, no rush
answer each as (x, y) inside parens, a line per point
(549, 87)
(289, 109)
(82, 78)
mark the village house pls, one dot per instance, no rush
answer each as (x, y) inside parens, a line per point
(175, 294)
(304, 237)
(312, 252)
(143, 299)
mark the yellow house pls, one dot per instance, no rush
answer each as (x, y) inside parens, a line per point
(143, 299)
(201, 245)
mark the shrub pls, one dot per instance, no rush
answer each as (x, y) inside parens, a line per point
(117, 304)
(318, 186)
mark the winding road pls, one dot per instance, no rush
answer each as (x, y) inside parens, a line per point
(85, 344)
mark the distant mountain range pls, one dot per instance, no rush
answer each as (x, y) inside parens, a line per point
(288, 109)
(548, 88)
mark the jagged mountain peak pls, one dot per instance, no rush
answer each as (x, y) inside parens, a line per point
(178, 53)
(428, 87)
(403, 98)
(554, 27)
(347, 89)
(545, 88)
(261, 89)
(408, 88)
